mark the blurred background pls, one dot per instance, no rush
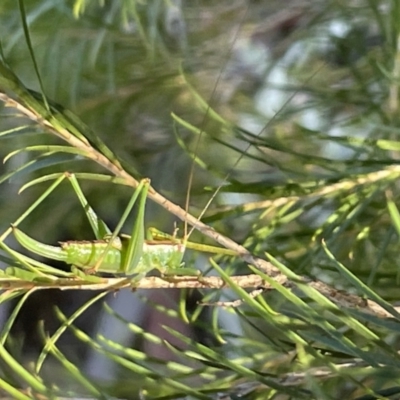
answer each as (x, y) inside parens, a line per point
(295, 103)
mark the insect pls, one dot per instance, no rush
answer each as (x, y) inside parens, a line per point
(120, 254)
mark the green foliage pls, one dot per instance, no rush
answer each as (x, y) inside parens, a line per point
(161, 85)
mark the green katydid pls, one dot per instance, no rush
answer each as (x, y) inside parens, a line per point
(120, 254)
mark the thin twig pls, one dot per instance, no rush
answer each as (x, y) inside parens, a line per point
(149, 282)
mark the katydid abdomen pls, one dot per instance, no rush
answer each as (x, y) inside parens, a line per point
(93, 255)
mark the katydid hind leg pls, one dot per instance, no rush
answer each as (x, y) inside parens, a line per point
(100, 228)
(135, 247)
(142, 191)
